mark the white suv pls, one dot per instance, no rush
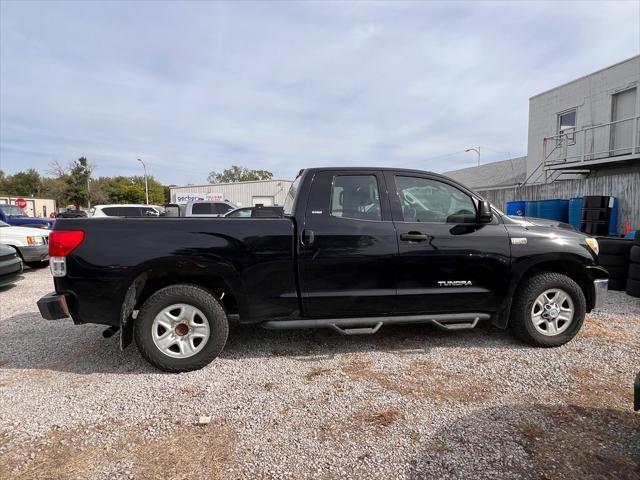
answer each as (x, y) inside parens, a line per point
(127, 210)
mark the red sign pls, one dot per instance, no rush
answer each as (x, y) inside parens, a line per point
(21, 202)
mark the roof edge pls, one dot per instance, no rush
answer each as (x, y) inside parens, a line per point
(584, 76)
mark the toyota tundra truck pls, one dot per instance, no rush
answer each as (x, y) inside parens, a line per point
(357, 249)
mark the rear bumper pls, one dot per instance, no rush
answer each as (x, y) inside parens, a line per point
(53, 307)
(600, 289)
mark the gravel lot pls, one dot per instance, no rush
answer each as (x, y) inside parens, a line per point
(409, 402)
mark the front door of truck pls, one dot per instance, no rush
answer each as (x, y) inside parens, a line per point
(347, 246)
(447, 261)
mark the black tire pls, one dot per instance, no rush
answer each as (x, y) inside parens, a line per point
(520, 320)
(613, 260)
(618, 272)
(618, 284)
(37, 264)
(634, 256)
(614, 246)
(181, 294)
(634, 271)
(633, 288)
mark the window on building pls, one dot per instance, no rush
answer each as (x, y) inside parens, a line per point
(567, 126)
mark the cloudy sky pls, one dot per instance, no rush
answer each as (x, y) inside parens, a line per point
(195, 87)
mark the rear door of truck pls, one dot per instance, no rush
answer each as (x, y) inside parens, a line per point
(347, 246)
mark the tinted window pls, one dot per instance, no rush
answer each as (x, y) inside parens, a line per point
(355, 196)
(425, 200)
(267, 212)
(112, 211)
(148, 212)
(201, 209)
(221, 208)
(245, 212)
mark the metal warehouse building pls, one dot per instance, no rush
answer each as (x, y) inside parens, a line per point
(242, 194)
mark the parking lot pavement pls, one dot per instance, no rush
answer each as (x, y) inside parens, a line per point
(409, 402)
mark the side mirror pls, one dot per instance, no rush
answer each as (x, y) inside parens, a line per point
(484, 212)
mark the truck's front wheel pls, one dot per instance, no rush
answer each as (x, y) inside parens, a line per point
(181, 328)
(548, 310)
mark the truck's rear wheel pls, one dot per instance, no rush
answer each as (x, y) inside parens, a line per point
(548, 310)
(181, 328)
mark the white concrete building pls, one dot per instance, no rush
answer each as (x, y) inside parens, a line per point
(242, 194)
(585, 125)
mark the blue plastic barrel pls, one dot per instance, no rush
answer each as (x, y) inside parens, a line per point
(516, 208)
(575, 212)
(531, 208)
(555, 209)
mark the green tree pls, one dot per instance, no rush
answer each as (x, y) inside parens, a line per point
(239, 174)
(28, 184)
(77, 190)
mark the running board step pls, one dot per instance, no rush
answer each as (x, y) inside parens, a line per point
(370, 325)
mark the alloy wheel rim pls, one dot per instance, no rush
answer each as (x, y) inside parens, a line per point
(180, 330)
(552, 312)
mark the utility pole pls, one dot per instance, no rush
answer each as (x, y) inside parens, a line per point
(88, 193)
(477, 150)
(146, 185)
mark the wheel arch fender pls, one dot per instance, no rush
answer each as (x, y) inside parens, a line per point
(217, 276)
(577, 267)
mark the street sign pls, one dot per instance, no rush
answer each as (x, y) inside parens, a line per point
(21, 202)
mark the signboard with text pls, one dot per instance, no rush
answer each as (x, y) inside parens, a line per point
(182, 198)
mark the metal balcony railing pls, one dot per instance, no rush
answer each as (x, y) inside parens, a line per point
(608, 140)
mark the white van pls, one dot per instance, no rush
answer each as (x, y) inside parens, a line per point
(126, 210)
(208, 208)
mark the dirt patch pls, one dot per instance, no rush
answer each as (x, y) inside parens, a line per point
(383, 418)
(593, 388)
(423, 379)
(376, 422)
(602, 329)
(316, 372)
(187, 452)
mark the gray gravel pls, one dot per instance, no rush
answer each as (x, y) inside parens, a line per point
(409, 402)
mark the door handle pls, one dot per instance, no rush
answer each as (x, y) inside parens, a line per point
(308, 237)
(414, 237)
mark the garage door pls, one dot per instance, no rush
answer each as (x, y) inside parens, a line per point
(264, 201)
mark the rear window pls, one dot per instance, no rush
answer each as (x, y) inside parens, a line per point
(221, 208)
(208, 208)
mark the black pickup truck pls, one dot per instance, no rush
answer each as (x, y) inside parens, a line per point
(358, 248)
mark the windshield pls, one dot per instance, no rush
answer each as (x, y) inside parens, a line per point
(13, 211)
(291, 196)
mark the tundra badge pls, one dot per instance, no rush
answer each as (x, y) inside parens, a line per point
(454, 283)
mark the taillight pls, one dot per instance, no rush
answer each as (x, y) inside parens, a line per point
(63, 242)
